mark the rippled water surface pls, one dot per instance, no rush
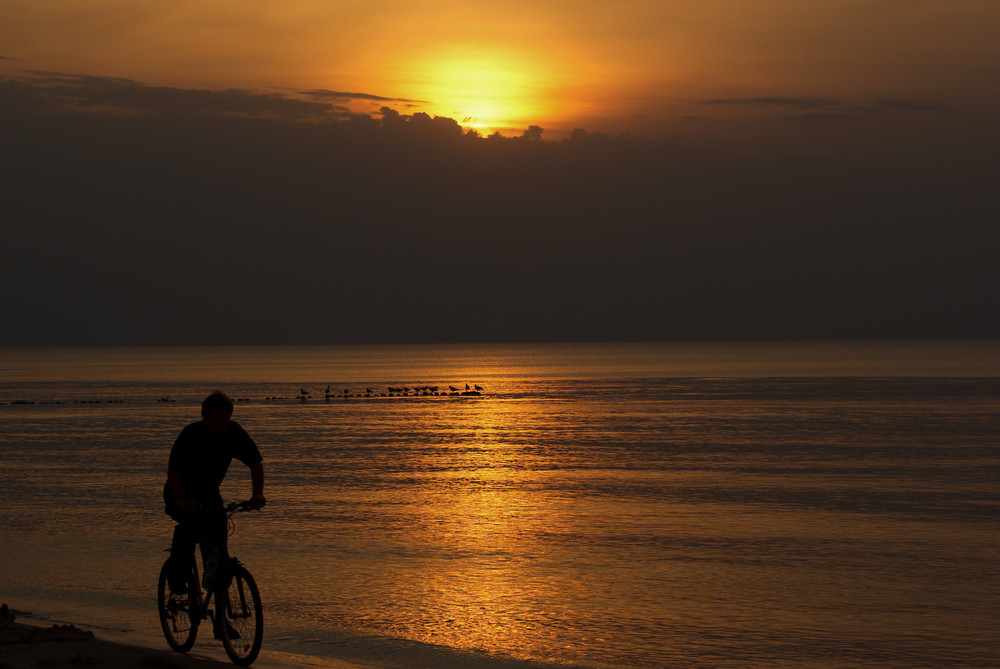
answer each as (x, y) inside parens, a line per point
(603, 506)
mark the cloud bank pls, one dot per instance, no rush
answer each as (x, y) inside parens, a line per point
(322, 94)
(56, 90)
(820, 110)
(153, 215)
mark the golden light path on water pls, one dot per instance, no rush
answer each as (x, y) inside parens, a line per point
(485, 517)
(470, 506)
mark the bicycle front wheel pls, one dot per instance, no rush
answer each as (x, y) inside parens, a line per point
(178, 611)
(241, 616)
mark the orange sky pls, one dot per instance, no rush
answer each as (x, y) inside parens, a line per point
(639, 66)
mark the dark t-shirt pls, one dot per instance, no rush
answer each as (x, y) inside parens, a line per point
(202, 459)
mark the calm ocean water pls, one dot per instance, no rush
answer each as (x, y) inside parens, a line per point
(645, 505)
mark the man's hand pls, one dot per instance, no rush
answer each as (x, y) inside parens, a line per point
(257, 500)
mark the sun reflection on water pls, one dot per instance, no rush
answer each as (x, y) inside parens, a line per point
(478, 512)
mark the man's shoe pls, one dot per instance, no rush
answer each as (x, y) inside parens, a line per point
(233, 634)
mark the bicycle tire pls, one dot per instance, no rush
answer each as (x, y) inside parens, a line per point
(239, 609)
(178, 612)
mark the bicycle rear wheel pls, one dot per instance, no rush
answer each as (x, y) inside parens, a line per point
(178, 611)
(240, 616)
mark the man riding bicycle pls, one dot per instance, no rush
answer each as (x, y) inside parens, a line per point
(198, 463)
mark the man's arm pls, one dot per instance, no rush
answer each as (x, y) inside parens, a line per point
(257, 477)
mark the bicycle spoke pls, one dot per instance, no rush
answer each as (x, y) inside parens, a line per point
(242, 622)
(177, 611)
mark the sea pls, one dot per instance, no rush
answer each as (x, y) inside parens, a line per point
(599, 506)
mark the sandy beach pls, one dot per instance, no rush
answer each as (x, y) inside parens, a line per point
(29, 643)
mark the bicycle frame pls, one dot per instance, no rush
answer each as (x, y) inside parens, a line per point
(236, 598)
(224, 570)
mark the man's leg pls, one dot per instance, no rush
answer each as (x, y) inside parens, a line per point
(213, 528)
(214, 531)
(181, 554)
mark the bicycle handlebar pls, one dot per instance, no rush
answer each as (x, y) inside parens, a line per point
(236, 507)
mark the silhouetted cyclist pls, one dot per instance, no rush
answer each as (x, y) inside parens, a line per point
(198, 463)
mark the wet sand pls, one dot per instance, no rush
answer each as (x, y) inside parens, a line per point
(27, 643)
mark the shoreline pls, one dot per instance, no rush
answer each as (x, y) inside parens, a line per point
(27, 642)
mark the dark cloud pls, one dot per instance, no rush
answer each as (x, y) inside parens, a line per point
(804, 103)
(128, 95)
(820, 110)
(814, 117)
(911, 105)
(255, 224)
(340, 96)
(44, 77)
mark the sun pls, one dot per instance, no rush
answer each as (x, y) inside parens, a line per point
(483, 94)
(485, 91)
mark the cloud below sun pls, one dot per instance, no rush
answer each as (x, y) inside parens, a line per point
(330, 224)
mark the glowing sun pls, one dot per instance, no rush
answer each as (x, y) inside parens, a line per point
(487, 92)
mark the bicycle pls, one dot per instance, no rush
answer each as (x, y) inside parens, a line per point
(238, 616)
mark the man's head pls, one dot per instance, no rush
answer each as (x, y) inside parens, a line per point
(216, 410)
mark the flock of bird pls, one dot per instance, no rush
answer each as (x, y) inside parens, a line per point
(391, 391)
(306, 395)
(19, 402)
